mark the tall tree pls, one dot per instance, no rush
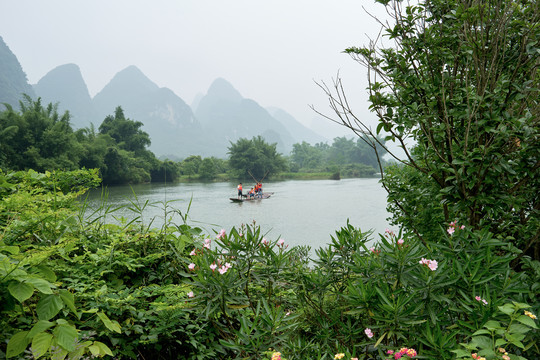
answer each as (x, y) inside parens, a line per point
(460, 81)
(255, 158)
(37, 138)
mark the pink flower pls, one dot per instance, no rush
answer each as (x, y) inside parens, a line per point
(483, 301)
(281, 242)
(368, 332)
(389, 352)
(190, 294)
(191, 266)
(400, 241)
(462, 227)
(193, 253)
(207, 246)
(397, 355)
(213, 267)
(222, 233)
(288, 313)
(222, 270)
(264, 241)
(431, 264)
(451, 230)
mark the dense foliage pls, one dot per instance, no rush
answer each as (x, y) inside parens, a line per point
(41, 139)
(254, 158)
(351, 158)
(460, 82)
(73, 285)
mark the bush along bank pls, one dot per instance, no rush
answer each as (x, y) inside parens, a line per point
(74, 285)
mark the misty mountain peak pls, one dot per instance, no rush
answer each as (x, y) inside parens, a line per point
(223, 90)
(132, 78)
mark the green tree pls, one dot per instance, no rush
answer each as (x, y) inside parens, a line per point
(190, 165)
(127, 133)
(207, 169)
(305, 156)
(254, 157)
(37, 138)
(125, 157)
(460, 83)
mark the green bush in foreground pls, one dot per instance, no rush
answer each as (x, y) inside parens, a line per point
(73, 285)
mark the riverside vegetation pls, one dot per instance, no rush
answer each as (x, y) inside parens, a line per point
(75, 286)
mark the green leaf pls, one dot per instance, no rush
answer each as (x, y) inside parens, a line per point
(100, 349)
(524, 319)
(492, 325)
(21, 291)
(17, 344)
(68, 300)
(40, 344)
(113, 326)
(42, 285)
(49, 306)
(40, 326)
(66, 336)
(59, 354)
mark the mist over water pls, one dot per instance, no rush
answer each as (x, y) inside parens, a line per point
(302, 212)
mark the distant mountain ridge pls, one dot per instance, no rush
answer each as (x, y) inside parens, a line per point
(65, 85)
(220, 116)
(13, 81)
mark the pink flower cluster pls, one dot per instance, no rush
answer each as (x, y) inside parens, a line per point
(222, 233)
(368, 333)
(431, 264)
(453, 226)
(265, 242)
(403, 352)
(376, 252)
(223, 269)
(400, 242)
(483, 301)
(207, 243)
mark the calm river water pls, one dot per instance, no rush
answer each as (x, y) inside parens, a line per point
(302, 212)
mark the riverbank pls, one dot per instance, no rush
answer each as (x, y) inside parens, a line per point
(277, 177)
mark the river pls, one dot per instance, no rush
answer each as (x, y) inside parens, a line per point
(302, 212)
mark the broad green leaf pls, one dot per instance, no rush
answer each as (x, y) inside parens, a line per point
(47, 273)
(100, 349)
(17, 344)
(66, 336)
(59, 354)
(41, 285)
(69, 300)
(492, 325)
(113, 326)
(40, 326)
(49, 306)
(21, 291)
(40, 344)
(524, 319)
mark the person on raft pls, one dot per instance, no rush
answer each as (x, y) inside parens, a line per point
(251, 193)
(259, 190)
(240, 194)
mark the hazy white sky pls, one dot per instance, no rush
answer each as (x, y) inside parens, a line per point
(270, 51)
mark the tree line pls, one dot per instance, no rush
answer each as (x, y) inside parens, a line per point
(38, 137)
